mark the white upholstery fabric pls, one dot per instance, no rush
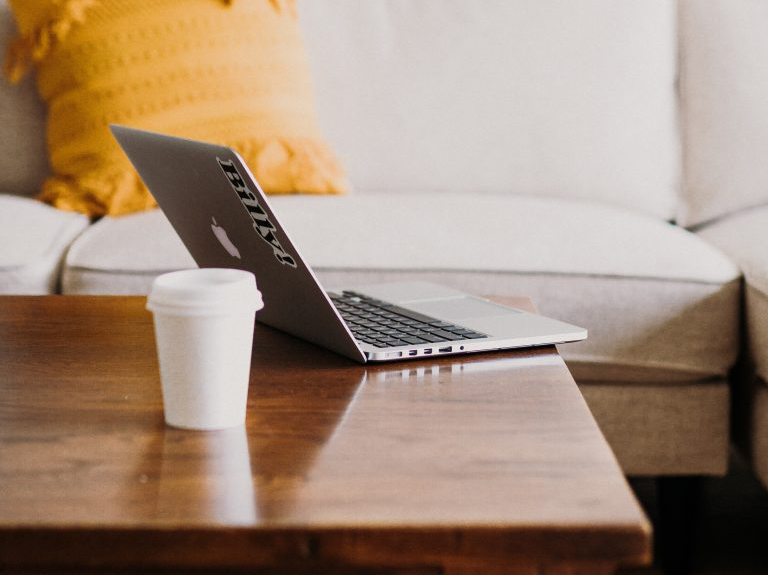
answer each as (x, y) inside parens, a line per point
(744, 237)
(494, 233)
(756, 305)
(23, 156)
(750, 415)
(664, 429)
(724, 88)
(33, 237)
(123, 255)
(540, 97)
(659, 303)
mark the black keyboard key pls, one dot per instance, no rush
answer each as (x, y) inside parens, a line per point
(463, 331)
(448, 336)
(419, 333)
(442, 334)
(390, 325)
(409, 314)
(429, 328)
(443, 324)
(431, 338)
(394, 342)
(372, 300)
(458, 329)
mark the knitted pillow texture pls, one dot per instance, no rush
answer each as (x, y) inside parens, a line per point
(233, 72)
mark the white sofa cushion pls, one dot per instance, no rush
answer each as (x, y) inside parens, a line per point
(540, 97)
(122, 255)
(23, 155)
(724, 90)
(744, 238)
(659, 302)
(34, 238)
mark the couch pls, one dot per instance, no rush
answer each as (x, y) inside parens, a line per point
(606, 158)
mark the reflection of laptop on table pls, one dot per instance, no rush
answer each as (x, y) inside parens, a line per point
(223, 217)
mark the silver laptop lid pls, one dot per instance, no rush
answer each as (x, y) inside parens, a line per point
(208, 189)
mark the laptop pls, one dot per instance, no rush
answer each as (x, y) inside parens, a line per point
(224, 219)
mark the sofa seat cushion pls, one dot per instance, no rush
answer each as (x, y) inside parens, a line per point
(122, 255)
(34, 238)
(659, 302)
(743, 237)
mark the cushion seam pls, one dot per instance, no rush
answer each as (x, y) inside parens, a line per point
(532, 272)
(77, 267)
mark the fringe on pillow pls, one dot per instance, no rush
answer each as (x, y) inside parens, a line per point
(282, 166)
(37, 43)
(288, 6)
(106, 193)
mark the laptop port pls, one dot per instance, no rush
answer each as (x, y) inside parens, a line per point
(428, 351)
(394, 354)
(445, 349)
(413, 352)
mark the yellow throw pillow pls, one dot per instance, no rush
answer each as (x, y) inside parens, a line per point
(233, 72)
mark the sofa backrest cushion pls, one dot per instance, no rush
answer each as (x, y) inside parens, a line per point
(724, 99)
(23, 160)
(542, 97)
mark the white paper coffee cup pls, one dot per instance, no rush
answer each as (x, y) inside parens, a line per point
(204, 333)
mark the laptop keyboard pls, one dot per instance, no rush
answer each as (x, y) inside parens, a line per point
(383, 324)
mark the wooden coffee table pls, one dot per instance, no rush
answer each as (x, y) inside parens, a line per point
(483, 464)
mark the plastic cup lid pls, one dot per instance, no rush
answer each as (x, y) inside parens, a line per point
(205, 291)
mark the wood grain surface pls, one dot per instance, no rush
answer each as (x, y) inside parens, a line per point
(490, 462)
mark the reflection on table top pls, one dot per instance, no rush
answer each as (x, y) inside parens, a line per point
(499, 447)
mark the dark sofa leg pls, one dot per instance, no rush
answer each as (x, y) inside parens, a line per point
(678, 500)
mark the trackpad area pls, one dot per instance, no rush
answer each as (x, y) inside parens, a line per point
(457, 309)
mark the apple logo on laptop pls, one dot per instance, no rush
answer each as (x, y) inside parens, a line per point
(221, 235)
